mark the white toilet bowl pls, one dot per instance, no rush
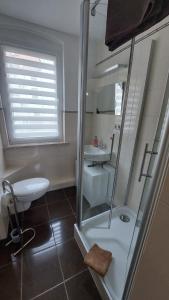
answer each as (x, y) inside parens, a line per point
(29, 190)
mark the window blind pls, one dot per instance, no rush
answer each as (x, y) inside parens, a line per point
(33, 104)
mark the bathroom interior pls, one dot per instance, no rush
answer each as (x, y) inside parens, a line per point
(83, 147)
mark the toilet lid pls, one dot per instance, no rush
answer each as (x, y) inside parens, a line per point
(30, 186)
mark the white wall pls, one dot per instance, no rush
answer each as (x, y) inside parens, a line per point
(103, 126)
(55, 162)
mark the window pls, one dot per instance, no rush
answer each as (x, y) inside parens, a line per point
(32, 106)
(118, 98)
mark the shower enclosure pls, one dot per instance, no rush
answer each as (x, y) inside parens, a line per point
(120, 146)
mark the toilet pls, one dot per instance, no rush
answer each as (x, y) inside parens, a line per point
(29, 190)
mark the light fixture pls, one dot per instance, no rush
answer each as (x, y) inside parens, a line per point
(111, 69)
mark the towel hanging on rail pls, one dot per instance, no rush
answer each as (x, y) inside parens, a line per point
(126, 19)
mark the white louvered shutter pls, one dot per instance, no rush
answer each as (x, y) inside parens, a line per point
(32, 105)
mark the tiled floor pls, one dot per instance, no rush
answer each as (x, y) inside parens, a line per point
(51, 267)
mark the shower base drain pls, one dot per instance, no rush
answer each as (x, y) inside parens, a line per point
(124, 218)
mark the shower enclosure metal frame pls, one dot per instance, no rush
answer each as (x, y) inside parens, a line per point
(85, 11)
(85, 7)
(162, 158)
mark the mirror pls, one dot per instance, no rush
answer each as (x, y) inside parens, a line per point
(110, 98)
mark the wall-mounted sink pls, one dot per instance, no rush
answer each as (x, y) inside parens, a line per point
(96, 154)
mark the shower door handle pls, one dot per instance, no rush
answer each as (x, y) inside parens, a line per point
(146, 151)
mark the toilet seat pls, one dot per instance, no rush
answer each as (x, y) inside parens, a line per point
(30, 189)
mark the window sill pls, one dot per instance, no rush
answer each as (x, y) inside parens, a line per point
(36, 145)
(10, 171)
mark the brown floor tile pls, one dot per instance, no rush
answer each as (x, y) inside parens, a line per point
(63, 229)
(71, 259)
(43, 239)
(39, 202)
(70, 191)
(72, 201)
(41, 271)
(82, 287)
(60, 209)
(10, 282)
(35, 216)
(57, 293)
(53, 196)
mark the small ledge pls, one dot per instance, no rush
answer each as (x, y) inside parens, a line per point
(10, 171)
(36, 145)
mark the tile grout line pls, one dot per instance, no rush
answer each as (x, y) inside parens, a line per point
(63, 277)
(67, 198)
(46, 291)
(77, 274)
(67, 296)
(57, 285)
(50, 221)
(6, 265)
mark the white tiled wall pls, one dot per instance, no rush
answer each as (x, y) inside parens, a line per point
(153, 103)
(135, 100)
(56, 162)
(103, 125)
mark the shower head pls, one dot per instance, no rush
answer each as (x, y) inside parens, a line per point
(93, 9)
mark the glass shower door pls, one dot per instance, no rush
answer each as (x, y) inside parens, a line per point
(149, 173)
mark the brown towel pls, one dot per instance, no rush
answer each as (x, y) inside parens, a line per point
(126, 19)
(98, 259)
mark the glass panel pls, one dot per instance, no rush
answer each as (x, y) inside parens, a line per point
(141, 126)
(150, 171)
(106, 78)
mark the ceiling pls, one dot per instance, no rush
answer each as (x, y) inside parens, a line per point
(61, 15)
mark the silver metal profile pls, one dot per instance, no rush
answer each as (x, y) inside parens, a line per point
(157, 181)
(85, 7)
(136, 42)
(122, 127)
(146, 151)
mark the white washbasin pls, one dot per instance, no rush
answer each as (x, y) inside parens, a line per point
(95, 154)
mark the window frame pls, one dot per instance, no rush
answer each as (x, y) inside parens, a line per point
(5, 124)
